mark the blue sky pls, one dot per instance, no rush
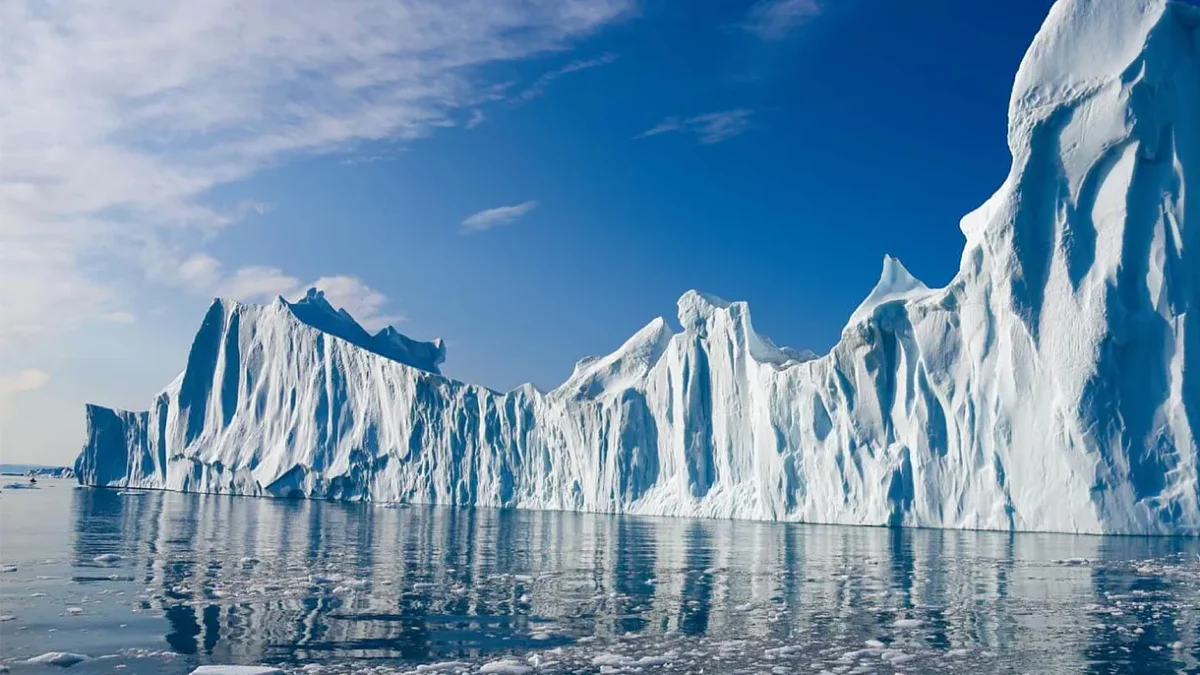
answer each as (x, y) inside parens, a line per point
(767, 151)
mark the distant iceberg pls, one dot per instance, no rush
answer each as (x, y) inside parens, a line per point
(1047, 387)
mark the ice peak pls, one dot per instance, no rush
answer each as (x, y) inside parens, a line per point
(896, 275)
(695, 308)
(315, 310)
(597, 375)
(1083, 45)
(895, 283)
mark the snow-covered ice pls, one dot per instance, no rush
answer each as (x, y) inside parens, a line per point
(1045, 387)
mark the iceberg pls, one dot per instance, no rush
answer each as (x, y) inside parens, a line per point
(1046, 387)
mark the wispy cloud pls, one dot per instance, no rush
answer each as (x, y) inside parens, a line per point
(501, 215)
(709, 128)
(777, 19)
(20, 381)
(118, 117)
(539, 85)
(120, 317)
(204, 274)
(256, 282)
(477, 118)
(365, 304)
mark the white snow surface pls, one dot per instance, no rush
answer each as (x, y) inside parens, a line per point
(1046, 387)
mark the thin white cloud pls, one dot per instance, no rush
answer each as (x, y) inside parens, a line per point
(262, 284)
(477, 118)
(256, 283)
(777, 19)
(200, 272)
(118, 117)
(20, 381)
(539, 85)
(668, 124)
(708, 128)
(501, 215)
(120, 317)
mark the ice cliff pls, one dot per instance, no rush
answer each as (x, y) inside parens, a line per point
(1046, 387)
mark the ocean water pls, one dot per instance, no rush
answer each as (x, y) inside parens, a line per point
(151, 582)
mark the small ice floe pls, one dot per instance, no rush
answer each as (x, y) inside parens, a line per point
(896, 656)
(443, 665)
(237, 670)
(74, 611)
(906, 623)
(504, 667)
(8, 568)
(107, 559)
(60, 659)
(610, 659)
(953, 653)
(7, 617)
(777, 652)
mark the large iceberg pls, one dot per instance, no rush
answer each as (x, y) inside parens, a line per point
(1046, 387)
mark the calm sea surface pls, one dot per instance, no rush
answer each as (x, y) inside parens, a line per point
(150, 582)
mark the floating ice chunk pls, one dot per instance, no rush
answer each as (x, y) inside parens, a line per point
(443, 665)
(504, 667)
(7, 617)
(907, 623)
(777, 652)
(237, 670)
(896, 657)
(609, 659)
(107, 559)
(60, 659)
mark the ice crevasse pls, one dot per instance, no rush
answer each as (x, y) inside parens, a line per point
(1052, 385)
